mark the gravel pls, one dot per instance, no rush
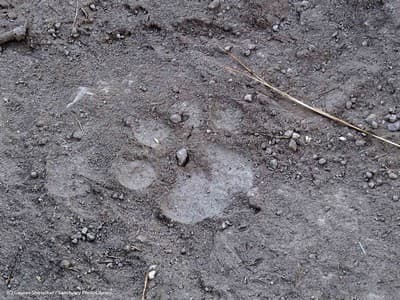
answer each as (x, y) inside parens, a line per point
(371, 120)
(152, 274)
(273, 163)
(293, 145)
(288, 133)
(182, 157)
(394, 126)
(65, 264)
(214, 4)
(248, 98)
(264, 146)
(175, 118)
(77, 135)
(360, 143)
(295, 135)
(391, 118)
(91, 237)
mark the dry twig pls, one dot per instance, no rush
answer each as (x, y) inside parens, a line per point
(252, 75)
(146, 285)
(75, 24)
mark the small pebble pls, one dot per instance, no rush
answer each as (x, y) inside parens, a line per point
(175, 118)
(360, 142)
(152, 274)
(395, 198)
(342, 139)
(394, 126)
(92, 7)
(84, 230)
(264, 146)
(74, 32)
(12, 15)
(302, 5)
(293, 145)
(275, 27)
(371, 184)
(393, 175)
(91, 237)
(228, 48)
(214, 4)
(349, 104)
(391, 118)
(65, 264)
(269, 151)
(288, 133)
(322, 161)
(273, 163)
(34, 175)
(312, 256)
(295, 135)
(369, 175)
(251, 46)
(225, 224)
(374, 124)
(176, 89)
(77, 135)
(182, 157)
(248, 97)
(183, 251)
(371, 120)
(246, 52)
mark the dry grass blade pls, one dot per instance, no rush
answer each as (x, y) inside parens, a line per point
(250, 74)
(146, 285)
(74, 24)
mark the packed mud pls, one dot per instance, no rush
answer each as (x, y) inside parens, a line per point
(134, 166)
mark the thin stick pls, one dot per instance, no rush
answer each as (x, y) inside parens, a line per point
(79, 123)
(259, 79)
(75, 18)
(362, 248)
(146, 285)
(17, 34)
